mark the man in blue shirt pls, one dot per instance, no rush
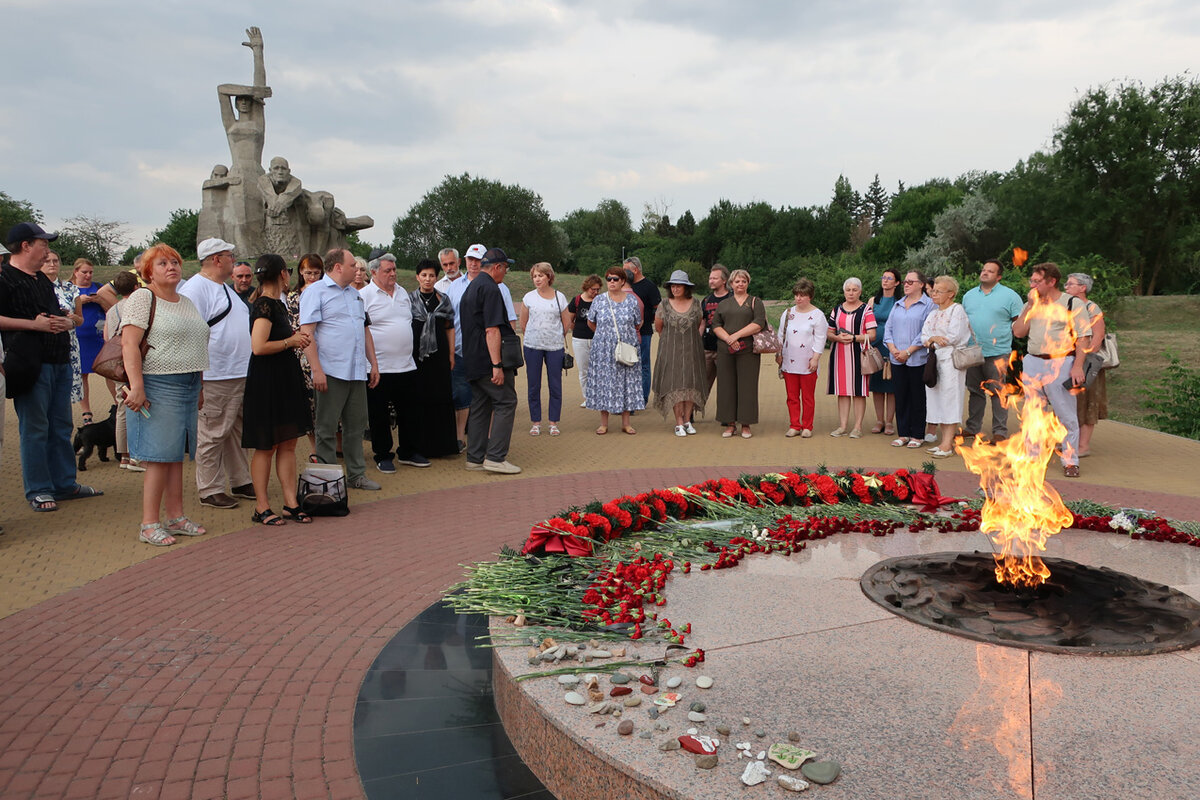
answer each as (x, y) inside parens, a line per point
(493, 387)
(991, 308)
(342, 357)
(460, 390)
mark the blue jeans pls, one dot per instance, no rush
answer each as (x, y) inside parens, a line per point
(553, 359)
(645, 354)
(45, 427)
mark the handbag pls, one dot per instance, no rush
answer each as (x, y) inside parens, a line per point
(321, 491)
(783, 344)
(968, 355)
(765, 341)
(568, 359)
(871, 360)
(110, 361)
(625, 353)
(1109, 357)
(929, 376)
(511, 356)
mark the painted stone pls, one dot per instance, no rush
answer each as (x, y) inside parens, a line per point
(821, 771)
(618, 691)
(788, 755)
(674, 681)
(706, 761)
(674, 697)
(704, 682)
(626, 727)
(791, 783)
(664, 702)
(755, 773)
(701, 745)
(574, 698)
(620, 678)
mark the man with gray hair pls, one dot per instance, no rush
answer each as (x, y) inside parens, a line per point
(448, 258)
(220, 459)
(390, 312)
(648, 293)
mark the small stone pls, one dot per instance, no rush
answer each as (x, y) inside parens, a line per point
(821, 771)
(789, 756)
(793, 737)
(648, 680)
(692, 731)
(704, 682)
(626, 727)
(755, 773)
(674, 681)
(598, 708)
(652, 713)
(619, 652)
(649, 690)
(669, 745)
(696, 716)
(698, 706)
(568, 680)
(701, 745)
(619, 678)
(595, 695)
(591, 678)
(618, 691)
(574, 698)
(633, 701)
(706, 761)
(661, 726)
(572, 650)
(548, 655)
(600, 654)
(792, 784)
(746, 721)
(723, 729)
(762, 754)
(646, 735)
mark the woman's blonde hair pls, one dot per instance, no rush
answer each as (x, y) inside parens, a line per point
(946, 280)
(739, 273)
(544, 268)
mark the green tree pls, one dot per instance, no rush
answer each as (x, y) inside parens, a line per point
(179, 232)
(13, 211)
(963, 236)
(102, 240)
(875, 203)
(910, 220)
(462, 209)
(686, 224)
(597, 237)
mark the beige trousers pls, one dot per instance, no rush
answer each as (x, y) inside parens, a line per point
(220, 459)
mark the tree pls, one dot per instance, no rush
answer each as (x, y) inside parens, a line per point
(875, 203)
(910, 220)
(13, 211)
(461, 210)
(845, 197)
(101, 239)
(179, 232)
(686, 225)
(963, 236)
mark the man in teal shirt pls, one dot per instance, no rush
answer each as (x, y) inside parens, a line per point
(991, 308)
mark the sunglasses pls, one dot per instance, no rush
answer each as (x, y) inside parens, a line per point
(612, 278)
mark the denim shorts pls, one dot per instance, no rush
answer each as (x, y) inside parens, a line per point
(169, 432)
(460, 389)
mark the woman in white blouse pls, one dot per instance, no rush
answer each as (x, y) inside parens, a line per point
(802, 330)
(546, 322)
(945, 328)
(164, 390)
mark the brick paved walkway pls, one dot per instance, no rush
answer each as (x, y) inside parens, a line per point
(229, 667)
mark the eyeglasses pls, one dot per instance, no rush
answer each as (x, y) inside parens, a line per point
(887, 278)
(612, 278)
(907, 283)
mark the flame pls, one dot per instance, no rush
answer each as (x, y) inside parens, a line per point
(1020, 256)
(1021, 511)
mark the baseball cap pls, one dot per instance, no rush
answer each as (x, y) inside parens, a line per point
(28, 230)
(496, 256)
(475, 251)
(210, 247)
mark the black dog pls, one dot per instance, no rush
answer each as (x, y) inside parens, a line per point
(96, 436)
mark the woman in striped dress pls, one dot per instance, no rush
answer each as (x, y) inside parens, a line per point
(851, 326)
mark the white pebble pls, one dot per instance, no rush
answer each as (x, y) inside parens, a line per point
(704, 682)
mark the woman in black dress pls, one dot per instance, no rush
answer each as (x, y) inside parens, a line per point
(433, 348)
(275, 409)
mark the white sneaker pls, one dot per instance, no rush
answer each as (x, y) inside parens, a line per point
(583, 404)
(691, 431)
(680, 430)
(502, 467)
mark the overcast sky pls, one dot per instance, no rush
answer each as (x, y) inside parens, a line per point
(112, 107)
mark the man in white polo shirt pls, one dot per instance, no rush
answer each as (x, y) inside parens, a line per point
(390, 311)
(220, 459)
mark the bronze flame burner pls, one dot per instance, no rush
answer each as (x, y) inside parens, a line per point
(1079, 610)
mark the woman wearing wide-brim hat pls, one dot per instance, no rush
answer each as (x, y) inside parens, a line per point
(679, 382)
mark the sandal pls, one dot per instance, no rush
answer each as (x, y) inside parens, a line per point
(80, 492)
(554, 431)
(43, 502)
(727, 433)
(536, 430)
(746, 434)
(628, 429)
(889, 430)
(154, 533)
(186, 527)
(903, 440)
(267, 517)
(601, 430)
(297, 514)
(913, 444)
(877, 427)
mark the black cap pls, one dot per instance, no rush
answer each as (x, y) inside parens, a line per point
(375, 253)
(496, 256)
(24, 231)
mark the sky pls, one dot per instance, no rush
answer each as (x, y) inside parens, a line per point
(113, 111)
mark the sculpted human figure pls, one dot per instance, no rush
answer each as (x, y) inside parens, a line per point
(214, 220)
(280, 190)
(245, 121)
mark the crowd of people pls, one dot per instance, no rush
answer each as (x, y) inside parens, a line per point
(236, 364)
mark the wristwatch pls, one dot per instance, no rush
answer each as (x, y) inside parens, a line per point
(497, 366)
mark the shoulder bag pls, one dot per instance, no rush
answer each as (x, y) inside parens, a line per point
(1109, 357)
(783, 343)
(625, 353)
(968, 355)
(568, 359)
(871, 360)
(110, 361)
(765, 341)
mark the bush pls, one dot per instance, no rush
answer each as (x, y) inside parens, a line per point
(1175, 399)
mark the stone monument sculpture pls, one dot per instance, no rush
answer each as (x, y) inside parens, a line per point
(259, 211)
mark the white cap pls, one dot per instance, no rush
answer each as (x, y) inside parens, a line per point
(210, 247)
(475, 251)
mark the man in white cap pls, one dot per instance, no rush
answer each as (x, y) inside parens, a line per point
(220, 459)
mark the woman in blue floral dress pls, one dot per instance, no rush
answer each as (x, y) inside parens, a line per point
(614, 388)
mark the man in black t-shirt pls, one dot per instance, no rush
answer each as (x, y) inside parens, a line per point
(645, 289)
(493, 388)
(718, 280)
(38, 370)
